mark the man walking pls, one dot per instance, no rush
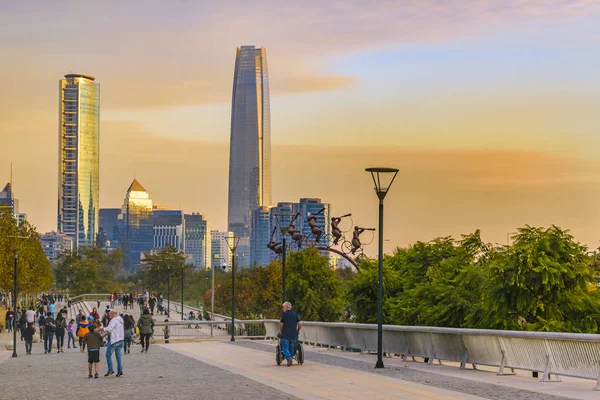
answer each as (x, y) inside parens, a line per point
(116, 331)
(289, 326)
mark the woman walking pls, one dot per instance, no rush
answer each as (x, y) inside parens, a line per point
(94, 314)
(60, 332)
(128, 327)
(146, 324)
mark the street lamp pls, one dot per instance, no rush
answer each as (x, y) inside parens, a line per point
(382, 179)
(232, 242)
(15, 293)
(284, 233)
(182, 267)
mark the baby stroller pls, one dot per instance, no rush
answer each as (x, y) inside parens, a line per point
(298, 352)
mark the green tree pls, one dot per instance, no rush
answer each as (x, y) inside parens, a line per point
(35, 271)
(162, 263)
(88, 269)
(312, 287)
(544, 281)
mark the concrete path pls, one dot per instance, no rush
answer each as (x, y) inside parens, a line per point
(311, 380)
(159, 374)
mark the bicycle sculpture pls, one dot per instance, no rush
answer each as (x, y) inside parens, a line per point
(351, 250)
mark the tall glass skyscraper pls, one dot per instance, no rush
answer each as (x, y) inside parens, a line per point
(137, 232)
(250, 146)
(78, 173)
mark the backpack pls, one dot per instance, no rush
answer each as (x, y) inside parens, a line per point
(50, 325)
(82, 331)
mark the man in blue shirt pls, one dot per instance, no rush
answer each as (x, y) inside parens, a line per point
(289, 325)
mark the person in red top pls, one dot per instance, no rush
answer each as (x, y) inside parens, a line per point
(95, 314)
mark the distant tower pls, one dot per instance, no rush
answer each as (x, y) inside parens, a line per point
(137, 233)
(78, 153)
(250, 146)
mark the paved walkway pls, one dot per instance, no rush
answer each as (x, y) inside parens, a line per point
(160, 374)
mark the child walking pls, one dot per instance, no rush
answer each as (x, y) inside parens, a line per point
(28, 336)
(70, 333)
(93, 341)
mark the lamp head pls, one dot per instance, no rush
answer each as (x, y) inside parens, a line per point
(382, 179)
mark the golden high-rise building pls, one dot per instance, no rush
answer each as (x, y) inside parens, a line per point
(79, 158)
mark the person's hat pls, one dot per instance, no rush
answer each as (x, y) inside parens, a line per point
(90, 318)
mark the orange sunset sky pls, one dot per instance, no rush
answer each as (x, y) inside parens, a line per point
(491, 109)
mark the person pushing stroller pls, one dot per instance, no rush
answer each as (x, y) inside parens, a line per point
(289, 326)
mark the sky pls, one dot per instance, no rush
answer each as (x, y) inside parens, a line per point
(488, 108)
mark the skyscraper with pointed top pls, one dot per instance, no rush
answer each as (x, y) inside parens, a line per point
(79, 158)
(135, 223)
(250, 145)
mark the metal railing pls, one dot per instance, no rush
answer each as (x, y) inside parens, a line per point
(207, 330)
(553, 353)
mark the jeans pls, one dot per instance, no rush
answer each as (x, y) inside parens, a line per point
(71, 338)
(127, 343)
(22, 333)
(117, 348)
(9, 325)
(28, 344)
(288, 348)
(60, 340)
(48, 336)
(145, 340)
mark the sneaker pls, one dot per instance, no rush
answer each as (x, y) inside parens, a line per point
(109, 373)
(142, 350)
(90, 376)
(57, 351)
(289, 362)
(119, 374)
(45, 352)
(96, 375)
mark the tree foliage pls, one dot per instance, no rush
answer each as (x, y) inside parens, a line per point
(312, 287)
(88, 270)
(35, 271)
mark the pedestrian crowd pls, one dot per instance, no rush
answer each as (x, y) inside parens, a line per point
(114, 331)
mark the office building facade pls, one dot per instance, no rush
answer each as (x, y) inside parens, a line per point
(109, 227)
(136, 225)
(54, 244)
(79, 147)
(169, 229)
(260, 236)
(221, 255)
(250, 142)
(198, 240)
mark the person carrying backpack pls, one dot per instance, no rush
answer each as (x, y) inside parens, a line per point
(49, 329)
(82, 329)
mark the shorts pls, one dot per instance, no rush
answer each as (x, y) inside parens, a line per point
(93, 356)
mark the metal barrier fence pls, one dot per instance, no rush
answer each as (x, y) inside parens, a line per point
(206, 330)
(553, 353)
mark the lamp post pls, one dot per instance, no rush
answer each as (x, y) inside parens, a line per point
(15, 294)
(182, 267)
(284, 233)
(232, 242)
(168, 291)
(381, 177)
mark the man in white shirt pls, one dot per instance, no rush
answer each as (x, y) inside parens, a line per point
(116, 330)
(30, 315)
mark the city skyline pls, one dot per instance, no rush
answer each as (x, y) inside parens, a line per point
(488, 109)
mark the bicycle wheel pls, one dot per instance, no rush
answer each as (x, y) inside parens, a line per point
(327, 241)
(300, 356)
(346, 247)
(278, 357)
